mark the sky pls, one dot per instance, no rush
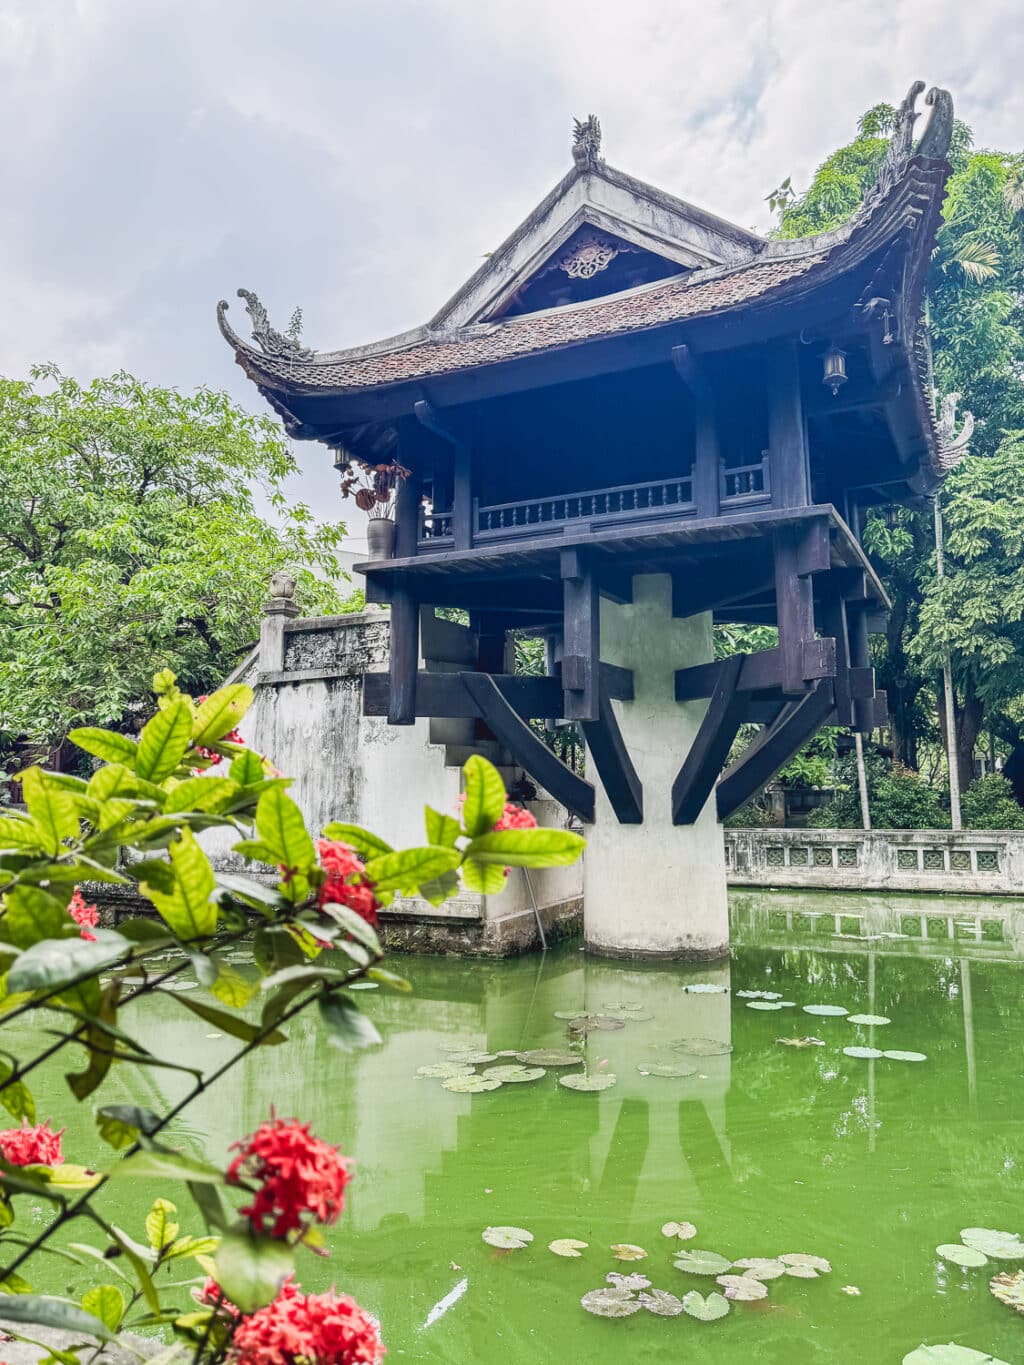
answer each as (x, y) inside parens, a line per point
(358, 158)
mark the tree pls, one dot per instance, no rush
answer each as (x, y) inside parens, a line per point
(129, 543)
(976, 313)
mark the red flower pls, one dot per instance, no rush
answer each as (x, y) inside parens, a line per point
(328, 1329)
(515, 817)
(85, 915)
(297, 1174)
(341, 863)
(233, 738)
(212, 1296)
(26, 1146)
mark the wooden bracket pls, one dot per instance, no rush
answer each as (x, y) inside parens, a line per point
(774, 747)
(581, 636)
(618, 776)
(710, 748)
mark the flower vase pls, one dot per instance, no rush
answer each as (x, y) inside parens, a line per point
(380, 538)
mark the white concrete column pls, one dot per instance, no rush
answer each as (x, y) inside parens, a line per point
(656, 889)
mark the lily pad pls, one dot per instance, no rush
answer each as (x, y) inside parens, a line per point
(950, 1354)
(572, 1014)
(682, 1231)
(829, 1010)
(787, 1004)
(610, 1303)
(759, 995)
(594, 1023)
(661, 1302)
(868, 1020)
(961, 1255)
(632, 1281)
(763, 1268)
(806, 1041)
(611, 1016)
(665, 1069)
(796, 1260)
(703, 988)
(470, 1085)
(576, 1080)
(701, 1262)
(507, 1239)
(742, 1289)
(1009, 1289)
(549, 1056)
(701, 1047)
(473, 1058)
(906, 1056)
(763, 1005)
(629, 1006)
(455, 1045)
(1001, 1246)
(626, 1251)
(870, 1052)
(442, 1070)
(705, 1309)
(567, 1246)
(514, 1074)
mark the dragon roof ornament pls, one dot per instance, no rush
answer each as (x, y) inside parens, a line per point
(952, 445)
(934, 141)
(270, 341)
(586, 141)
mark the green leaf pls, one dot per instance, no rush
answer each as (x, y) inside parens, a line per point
(386, 978)
(51, 808)
(355, 924)
(56, 961)
(98, 1041)
(485, 796)
(138, 1257)
(164, 741)
(33, 914)
(62, 1314)
(106, 744)
(161, 1229)
(220, 713)
(527, 848)
(105, 1302)
(144, 930)
(20, 834)
(232, 988)
(116, 1133)
(16, 1097)
(154, 1163)
(440, 889)
(191, 1246)
(190, 909)
(365, 843)
(201, 793)
(441, 829)
(132, 1115)
(406, 870)
(282, 830)
(251, 1268)
(14, 1284)
(705, 1309)
(247, 768)
(227, 1023)
(347, 1028)
(487, 879)
(249, 890)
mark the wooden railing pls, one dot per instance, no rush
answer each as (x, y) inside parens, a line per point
(599, 504)
(435, 526)
(744, 482)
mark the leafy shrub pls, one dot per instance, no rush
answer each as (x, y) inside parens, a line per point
(989, 803)
(898, 798)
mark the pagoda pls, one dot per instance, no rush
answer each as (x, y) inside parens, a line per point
(634, 421)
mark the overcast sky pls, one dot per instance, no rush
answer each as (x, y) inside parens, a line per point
(359, 157)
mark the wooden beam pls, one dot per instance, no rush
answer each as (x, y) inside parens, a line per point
(581, 650)
(408, 501)
(732, 581)
(444, 696)
(527, 749)
(833, 620)
(772, 750)
(787, 440)
(462, 461)
(706, 448)
(860, 659)
(761, 671)
(711, 745)
(616, 682)
(618, 776)
(404, 655)
(794, 607)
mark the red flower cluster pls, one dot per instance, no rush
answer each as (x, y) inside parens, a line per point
(26, 1146)
(212, 1296)
(87, 916)
(210, 755)
(297, 1174)
(340, 863)
(330, 1329)
(515, 817)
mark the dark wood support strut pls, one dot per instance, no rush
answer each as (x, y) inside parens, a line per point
(706, 491)
(762, 672)
(774, 748)
(711, 746)
(405, 651)
(618, 776)
(444, 695)
(581, 651)
(527, 749)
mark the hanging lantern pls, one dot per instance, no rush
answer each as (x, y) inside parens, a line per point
(835, 369)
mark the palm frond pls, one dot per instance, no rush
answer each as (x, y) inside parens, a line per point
(979, 261)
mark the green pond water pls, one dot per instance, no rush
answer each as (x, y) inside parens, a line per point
(767, 1149)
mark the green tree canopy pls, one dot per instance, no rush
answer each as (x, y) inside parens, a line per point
(130, 542)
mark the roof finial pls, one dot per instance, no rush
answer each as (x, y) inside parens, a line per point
(952, 445)
(586, 141)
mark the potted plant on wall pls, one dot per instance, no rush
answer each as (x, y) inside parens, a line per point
(375, 490)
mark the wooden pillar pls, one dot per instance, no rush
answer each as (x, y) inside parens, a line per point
(787, 438)
(834, 623)
(462, 496)
(405, 652)
(581, 658)
(794, 604)
(407, 503)
(706, 454)
(860, 658)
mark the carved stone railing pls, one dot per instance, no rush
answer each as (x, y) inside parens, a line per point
(744, 483)
(627, 502)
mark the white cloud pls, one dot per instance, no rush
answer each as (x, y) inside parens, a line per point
(359, 158)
